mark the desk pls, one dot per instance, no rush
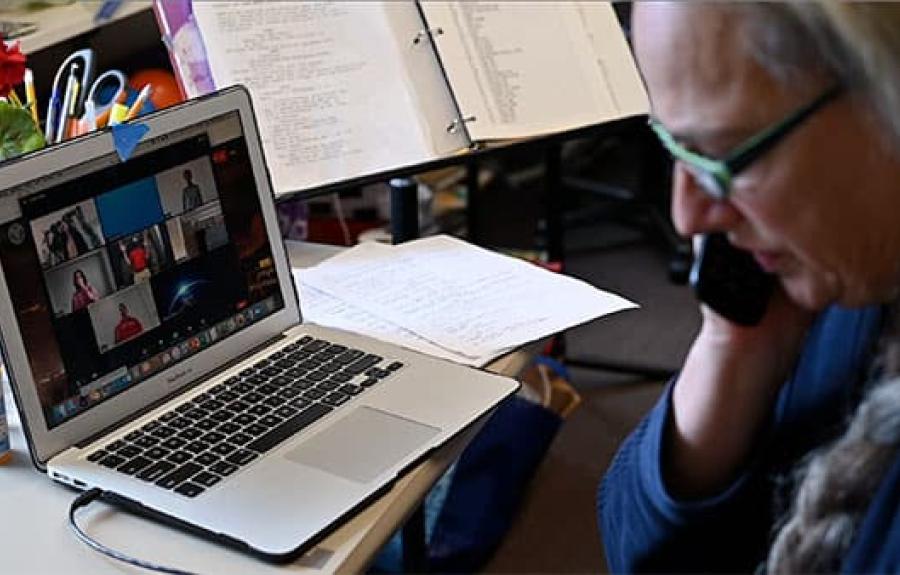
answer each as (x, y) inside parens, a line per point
(36, 538)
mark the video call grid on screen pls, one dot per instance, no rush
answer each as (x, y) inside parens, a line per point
(111, 271)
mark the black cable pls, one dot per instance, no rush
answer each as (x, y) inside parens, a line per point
(86, 499)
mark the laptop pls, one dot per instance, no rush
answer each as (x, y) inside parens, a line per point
(157, 352)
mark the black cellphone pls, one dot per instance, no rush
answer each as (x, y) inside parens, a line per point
(730, 281)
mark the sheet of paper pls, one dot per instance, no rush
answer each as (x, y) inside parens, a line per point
(324, 309)
(459, 296)
(328, 83)
(527, 68)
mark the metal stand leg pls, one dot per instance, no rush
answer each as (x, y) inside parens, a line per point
(415, 548)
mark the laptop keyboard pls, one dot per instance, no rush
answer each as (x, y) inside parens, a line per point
(199, 443)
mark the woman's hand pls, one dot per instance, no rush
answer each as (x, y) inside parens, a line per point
(725, 392)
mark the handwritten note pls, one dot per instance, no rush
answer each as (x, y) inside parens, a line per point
(321, 308)
(458, 296)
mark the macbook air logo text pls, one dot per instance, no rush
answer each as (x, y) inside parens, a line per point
(179, 375)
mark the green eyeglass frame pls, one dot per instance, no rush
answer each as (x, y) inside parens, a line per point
(715, 175)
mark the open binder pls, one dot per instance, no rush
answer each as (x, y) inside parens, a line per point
(346, 89)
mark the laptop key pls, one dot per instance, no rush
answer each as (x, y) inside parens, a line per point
(267, 389)
(313, 394)
(228, 428)
(394, 366)
(128, 451)
(341, 377)
(207, 424)
(156, 453)
(162, 432)
(368, 382)
(240, 438)
(259, 409)
(97, 455)
(213, 437)
(179, 457)
(327, 385)
(241, 457)
(349, 356)
(189, 489)
(181, 423)
(256, 429)
(289, 428)
(289, 392)
(244, 419)
(112, 460)
(274, 401)
(351, 389)
(145, 441)
(206, 479)
(221, 416)
(227, 396)
(179, 475)
(134, 465)
(270, 420)
(285, 411)
(316, 345)
(223, 468)
(115, 445)
(190, 433)
(300, 402)
(196, 447)
(148, 427)
(336, 398)
(155, 471)
(363, 364)
(282, 380)
(206, 459)
(223, 449)
(174, 443)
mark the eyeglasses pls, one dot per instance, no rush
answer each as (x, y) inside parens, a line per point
(715, 175)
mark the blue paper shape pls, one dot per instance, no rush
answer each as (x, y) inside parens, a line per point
(126, 138)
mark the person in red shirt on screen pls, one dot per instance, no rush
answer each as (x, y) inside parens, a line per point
(128, 326)
(136, 255)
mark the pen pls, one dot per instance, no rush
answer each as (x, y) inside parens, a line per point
(66, 105)
(138, 103)
(90, 116)
(30, 95)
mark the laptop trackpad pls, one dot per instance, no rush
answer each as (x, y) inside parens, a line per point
(363, 445)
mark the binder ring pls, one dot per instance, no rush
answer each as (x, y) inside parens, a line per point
(457, 123)
(426, 33)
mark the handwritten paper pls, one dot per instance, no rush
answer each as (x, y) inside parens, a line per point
(460, 297)
(321, 308)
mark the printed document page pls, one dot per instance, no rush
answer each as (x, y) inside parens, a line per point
(529, 68)
(459, 296)
(328, 84)
(322, 308)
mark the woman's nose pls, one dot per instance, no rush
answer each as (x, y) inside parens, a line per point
(694, 210)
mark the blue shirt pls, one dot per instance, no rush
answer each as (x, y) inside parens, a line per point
(645, 529)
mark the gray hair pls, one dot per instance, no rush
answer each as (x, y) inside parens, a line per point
(856, 43)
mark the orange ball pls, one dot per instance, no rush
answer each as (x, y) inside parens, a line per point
(165, 90)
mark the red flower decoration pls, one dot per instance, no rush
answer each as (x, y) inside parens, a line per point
(12, 66)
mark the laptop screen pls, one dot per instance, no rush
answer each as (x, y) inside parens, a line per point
(132, 267)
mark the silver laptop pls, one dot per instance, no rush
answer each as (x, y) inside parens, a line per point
(156, 350)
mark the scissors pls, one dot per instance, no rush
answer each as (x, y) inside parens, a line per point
(76, 93)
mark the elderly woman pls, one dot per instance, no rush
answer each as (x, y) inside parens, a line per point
(777, 445)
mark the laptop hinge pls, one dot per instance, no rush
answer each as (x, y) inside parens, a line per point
(197, 382)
